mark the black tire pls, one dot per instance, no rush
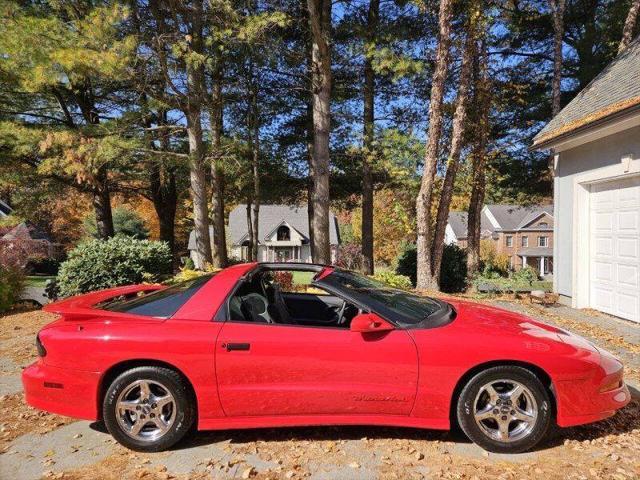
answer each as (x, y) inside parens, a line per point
(182, 418)
(466, 409)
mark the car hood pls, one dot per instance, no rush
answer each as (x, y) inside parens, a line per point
(484, 319)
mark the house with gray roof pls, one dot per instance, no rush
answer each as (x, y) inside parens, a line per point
(595, 143)
(524, 233)
(283, 234)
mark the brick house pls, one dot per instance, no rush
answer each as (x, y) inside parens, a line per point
(524, 233)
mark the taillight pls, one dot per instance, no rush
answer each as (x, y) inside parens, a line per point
(42, 352)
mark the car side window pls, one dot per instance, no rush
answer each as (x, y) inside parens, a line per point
(287, 297)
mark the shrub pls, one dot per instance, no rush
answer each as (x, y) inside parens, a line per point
(393, 279)
(11, 285)
(525, 275)
(407, 262)
(349, 256)
(284, 279)
(491, 260)
(125, 222)
(120, 260)
(453, 271)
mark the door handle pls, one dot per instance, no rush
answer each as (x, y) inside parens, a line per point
(237, 346)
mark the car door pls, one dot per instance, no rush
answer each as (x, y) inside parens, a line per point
(275, 369)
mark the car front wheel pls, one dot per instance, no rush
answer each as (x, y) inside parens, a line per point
(505, 409)
(148, 408)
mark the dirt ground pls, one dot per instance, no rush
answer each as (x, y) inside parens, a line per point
(39, 445)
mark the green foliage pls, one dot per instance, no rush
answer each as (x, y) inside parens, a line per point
(393, 279)
(11, 285)
(120, 260)
(525, 275)
(407, 262)
(125, 222)
(453, 271)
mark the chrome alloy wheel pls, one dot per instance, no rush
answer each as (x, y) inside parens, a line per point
(145, 410)
(505, 410)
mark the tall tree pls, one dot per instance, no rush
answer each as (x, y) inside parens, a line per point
(629, 25)
(216, 112)
(425, 278)
(70, 61)
(457, 138)
(369, 127)
(196, 90)
(482, 105)
(320, 27)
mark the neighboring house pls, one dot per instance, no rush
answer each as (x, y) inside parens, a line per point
(595, 140)
(283, 235)
(524, 233)
(5, 209)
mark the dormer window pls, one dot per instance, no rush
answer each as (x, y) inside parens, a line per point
(284, 233)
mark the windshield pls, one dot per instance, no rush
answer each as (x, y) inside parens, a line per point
(162, 303)
(403, 307)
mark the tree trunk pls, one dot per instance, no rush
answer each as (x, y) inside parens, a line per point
(482, 102)
(255, 165)
(629, 25)
(425, 279)
(195, 85)
(320, 25)
(250, 256)
(102, 205)
(368, 121)
(219, 250)
(311, 176)
(557, 9)
(457, 138)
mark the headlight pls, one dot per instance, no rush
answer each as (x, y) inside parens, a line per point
(42, 352)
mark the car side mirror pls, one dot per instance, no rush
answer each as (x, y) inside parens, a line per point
(370, 322)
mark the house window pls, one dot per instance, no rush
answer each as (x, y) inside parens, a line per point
(543, 224)
(525, 241)
(284, 234)
(543, 241)
(509, 241)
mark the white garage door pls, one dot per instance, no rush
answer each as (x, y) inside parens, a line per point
(615, 248)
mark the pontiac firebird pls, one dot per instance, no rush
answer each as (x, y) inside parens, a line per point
(243, 348)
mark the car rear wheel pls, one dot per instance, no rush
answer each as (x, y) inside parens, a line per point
(148, 408)
(504, 409)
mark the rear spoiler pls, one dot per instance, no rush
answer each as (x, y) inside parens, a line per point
(83, 306)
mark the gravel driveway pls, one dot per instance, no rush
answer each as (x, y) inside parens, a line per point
(39, 445)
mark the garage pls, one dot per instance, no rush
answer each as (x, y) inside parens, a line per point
(615, 247)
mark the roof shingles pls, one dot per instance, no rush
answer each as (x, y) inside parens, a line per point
(614, 90)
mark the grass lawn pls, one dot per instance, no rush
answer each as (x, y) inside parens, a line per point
(37, 280)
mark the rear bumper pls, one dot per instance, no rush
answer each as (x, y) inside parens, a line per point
(72, 393)
(594, 398)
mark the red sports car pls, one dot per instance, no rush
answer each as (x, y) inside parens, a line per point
(266, 345)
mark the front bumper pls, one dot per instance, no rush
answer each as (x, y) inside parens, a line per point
(72, 393)
(595, 397)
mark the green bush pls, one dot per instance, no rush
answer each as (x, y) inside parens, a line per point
(453, 271)
(407, 262)
(525, 275)
(120, 260)
(125, 222)
(393, 279)
(11, 285)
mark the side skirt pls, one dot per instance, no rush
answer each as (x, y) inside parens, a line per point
(229, 423)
